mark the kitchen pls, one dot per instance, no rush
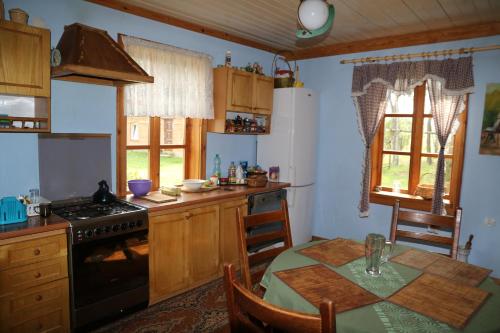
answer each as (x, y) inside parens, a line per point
(81, 108)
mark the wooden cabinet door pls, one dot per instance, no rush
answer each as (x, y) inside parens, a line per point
(229, 247)
(24, 60)
(240, 91)
(263, 94)
(203, 243)
(168, 255)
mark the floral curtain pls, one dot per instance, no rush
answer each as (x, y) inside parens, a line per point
(183, 82)
(448, 81)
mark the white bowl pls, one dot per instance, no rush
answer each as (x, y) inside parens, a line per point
(193, 184)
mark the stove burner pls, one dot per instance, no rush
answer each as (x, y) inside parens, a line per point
(86, 210)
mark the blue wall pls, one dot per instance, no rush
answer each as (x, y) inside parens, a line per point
(340, 154)
(90, 108)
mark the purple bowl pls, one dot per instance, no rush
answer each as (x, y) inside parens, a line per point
(139, 187)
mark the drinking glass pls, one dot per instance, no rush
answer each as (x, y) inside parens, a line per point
(377, 252)
(34, 195)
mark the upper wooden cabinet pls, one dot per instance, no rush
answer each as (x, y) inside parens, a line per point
(25, 72)
(24, 60)
(237, 91)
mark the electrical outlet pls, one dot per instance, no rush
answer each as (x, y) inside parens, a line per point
(489, 221)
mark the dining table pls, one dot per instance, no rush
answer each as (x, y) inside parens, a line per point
(390, 302)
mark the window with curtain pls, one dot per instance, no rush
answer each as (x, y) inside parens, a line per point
(393, 158)
(405, 152)
(160, 125)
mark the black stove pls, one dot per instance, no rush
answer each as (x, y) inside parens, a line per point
(108, 252)
(91, 221)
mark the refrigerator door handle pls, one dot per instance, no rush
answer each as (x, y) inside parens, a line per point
(290, 196)
(293, 173)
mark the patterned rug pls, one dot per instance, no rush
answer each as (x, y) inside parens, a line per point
(200, 310)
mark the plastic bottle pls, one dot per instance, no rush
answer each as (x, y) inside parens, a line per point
(231, 173)
(217, 172)
(240, 174)
(227, 61)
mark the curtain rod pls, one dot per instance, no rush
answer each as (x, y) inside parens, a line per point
(408, 56)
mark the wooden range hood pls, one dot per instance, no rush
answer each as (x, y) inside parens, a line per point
(90, 55)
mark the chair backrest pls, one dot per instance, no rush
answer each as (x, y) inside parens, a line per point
(424, 220)
(253, 264)
(248, 312)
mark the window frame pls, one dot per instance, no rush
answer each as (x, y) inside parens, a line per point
(408, 200)
(194, 145)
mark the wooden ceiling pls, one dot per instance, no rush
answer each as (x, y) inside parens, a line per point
(359, 25)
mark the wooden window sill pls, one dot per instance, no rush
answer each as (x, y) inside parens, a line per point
(406, 200)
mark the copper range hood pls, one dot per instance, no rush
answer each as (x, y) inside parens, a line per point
(90, 55)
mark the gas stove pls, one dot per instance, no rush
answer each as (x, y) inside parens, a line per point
(90, 221)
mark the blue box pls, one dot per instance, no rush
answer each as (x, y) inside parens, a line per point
(12, 211)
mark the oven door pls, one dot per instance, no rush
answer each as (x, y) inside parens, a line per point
(109, 276)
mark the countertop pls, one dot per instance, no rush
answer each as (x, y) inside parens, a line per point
(39, 224)
(34, 225)
(224, 192)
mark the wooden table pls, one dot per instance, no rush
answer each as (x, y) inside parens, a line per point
(382, 316)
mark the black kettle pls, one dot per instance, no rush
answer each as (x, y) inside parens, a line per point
(103, 195)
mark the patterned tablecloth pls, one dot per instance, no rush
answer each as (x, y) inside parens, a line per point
(382, 316)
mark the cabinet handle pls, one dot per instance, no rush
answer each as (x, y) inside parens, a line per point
(38, 298)
(38, 274)
(36, 252)
(188, 215)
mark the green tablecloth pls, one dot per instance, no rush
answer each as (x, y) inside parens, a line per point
(382, 316)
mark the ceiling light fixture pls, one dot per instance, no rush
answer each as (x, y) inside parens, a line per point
(315, 18)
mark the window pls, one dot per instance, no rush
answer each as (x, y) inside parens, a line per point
(405, 152)
(158, 137)
(163, 150)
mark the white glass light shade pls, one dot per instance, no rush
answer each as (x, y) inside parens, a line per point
(313, 13)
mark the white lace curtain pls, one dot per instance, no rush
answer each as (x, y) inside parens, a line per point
(183, 82)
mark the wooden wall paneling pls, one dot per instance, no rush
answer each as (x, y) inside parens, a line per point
(395, 41)
(136, 10)
(430, 12)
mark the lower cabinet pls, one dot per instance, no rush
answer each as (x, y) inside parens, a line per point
(229, 249)
(188, 246)
(34, 287)
(184, 250)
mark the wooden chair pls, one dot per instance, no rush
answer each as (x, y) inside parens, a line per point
(424, 220)
(253, 265)
(249, 313)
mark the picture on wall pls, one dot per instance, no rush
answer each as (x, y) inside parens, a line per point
(490, 132)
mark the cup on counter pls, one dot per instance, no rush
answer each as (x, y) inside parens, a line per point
(45, 209)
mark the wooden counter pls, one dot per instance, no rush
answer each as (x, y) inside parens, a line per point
(34, 225)
(225, 192)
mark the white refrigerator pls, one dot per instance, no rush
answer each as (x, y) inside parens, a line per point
(292, 146)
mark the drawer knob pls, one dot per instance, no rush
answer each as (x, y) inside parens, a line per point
(187, 216)
(38, 274)
(38, 298)
(36, 252)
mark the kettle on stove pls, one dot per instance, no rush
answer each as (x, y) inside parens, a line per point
(103, 195)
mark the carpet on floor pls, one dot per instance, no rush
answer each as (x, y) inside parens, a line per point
(201, 310)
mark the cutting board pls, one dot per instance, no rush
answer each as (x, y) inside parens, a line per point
(159, 198)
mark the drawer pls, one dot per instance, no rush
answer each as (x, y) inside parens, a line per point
(31, 251)
(20, 278)
(40, 309)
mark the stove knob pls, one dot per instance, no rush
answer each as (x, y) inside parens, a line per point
(124, 226)
(97, 231)
(131, 225)
(89, 233)
(116, 227)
